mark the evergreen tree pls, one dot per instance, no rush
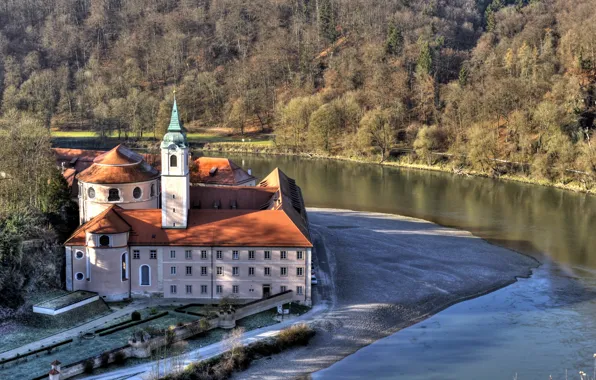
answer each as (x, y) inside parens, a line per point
(395, 41)
(327, 21)
(463, 76)
(425, 59)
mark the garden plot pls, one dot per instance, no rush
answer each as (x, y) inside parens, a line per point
(30, 327)
(81, 349)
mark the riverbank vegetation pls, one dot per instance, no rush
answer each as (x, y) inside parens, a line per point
(500, 87)
(238, 356)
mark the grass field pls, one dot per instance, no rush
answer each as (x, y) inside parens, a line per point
(199, 137)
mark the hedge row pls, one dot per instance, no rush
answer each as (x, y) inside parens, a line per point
(104, 333)
(48, 348)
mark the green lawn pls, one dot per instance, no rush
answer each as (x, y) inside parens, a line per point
(192, 136)
(31, 326)
(81, 349)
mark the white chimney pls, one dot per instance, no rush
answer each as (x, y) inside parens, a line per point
(249, 171)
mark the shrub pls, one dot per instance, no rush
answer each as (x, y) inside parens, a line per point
(296, 335)
(88, 365)
(135, 316)
(104, 359)
(153, 311)
(119, 358)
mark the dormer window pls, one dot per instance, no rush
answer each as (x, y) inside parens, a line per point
(136, 193)
(104, 241)
(113, 195)
(173, 161)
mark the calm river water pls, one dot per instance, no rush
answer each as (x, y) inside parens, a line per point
(534, 328)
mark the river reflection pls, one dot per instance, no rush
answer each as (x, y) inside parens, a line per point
(532, 329)
(532, 219)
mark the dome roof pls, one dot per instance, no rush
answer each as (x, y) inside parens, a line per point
(119, 165)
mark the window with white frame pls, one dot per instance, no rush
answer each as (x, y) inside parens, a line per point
(189, 271)
(299, 290)
(219, 254)
(235, 289)
(173, 289)
(299, 255)
(267, 271)
(267, 255)
(203, 255)
(203, 271)
(188, 289)
(235, 271)
(220, 271)
(153, 254)
(251, 271)
(188, 254)
(172, 254)
(203, 289)
(283, 255)
(283, 288)
(218, 289)
(251, 255)
(299, 271)
(136, 254)
(235, 255)
(283, 271)
(172, 270)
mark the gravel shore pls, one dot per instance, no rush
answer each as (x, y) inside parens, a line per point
(380, 273)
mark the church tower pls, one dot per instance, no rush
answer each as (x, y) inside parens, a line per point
(174, 175)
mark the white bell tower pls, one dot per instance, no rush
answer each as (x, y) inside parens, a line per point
(174, 175)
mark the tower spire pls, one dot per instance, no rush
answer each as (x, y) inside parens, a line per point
(174, 120)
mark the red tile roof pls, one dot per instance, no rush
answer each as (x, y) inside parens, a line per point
(244, 198)
(218, 171)
(221, 228)
(258, 221)
(108, 221)
(119, 165)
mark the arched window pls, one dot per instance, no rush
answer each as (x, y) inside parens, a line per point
(124, 267)
(145, 275)
(152, 189)
(91, 193)
(173, 161)
(136, 193)
(114, 195)
(104, 241)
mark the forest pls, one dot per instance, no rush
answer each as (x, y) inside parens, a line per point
(493, 85)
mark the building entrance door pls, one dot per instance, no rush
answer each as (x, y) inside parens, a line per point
(266, 291)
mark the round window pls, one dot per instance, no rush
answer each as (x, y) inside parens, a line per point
(91, 192)
(136, 193)
(104, 241)
(79, 255)
(79, 276)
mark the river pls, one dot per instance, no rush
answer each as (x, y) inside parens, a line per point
(534, 328)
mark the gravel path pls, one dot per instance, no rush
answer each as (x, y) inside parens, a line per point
(381, 273)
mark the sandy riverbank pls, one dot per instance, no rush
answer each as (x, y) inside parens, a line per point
(381, 273)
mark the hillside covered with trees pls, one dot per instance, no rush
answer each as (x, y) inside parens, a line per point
(494, 85)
